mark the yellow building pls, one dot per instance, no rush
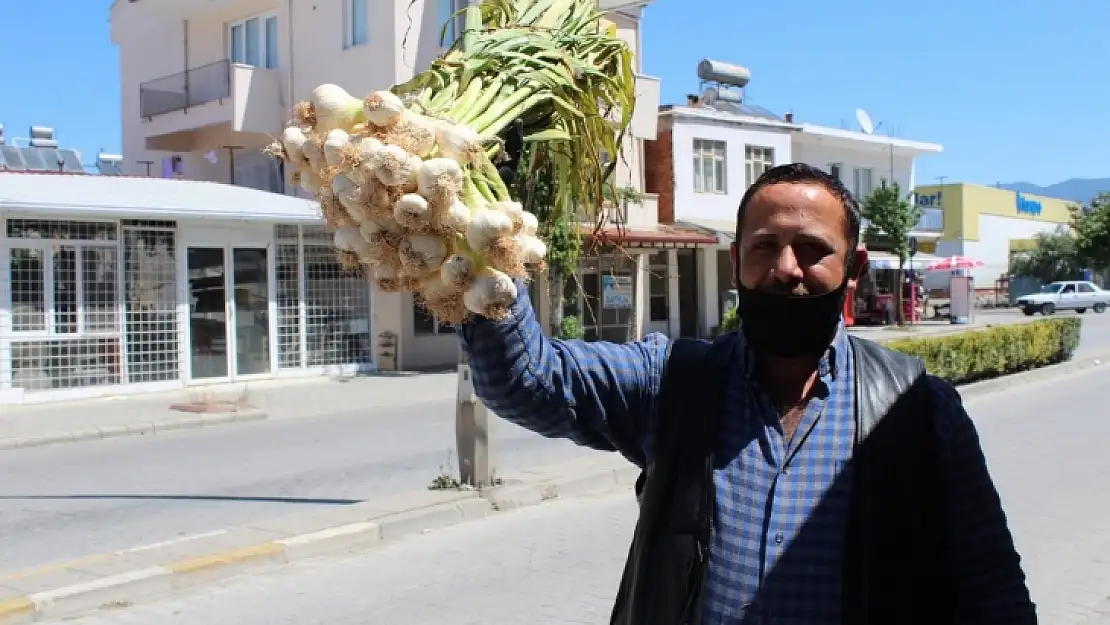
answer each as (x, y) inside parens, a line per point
(989, 225)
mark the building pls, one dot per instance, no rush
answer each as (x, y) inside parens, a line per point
(112, 284)
(989, 225)
(712, 148)
(206, 84)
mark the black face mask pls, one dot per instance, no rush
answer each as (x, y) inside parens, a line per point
(790, 325)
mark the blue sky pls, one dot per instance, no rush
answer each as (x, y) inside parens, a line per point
(1013, 89)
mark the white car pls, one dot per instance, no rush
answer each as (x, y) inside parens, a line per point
(1077, 295)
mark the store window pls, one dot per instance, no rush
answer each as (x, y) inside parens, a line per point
(607, 297)
(150, 301)
(425, 323)
(658, 286)
(65, 319)
(756, 161)
(709, 166)
(323, 308)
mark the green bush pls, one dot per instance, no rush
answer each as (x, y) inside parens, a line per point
(729, 322)
(571, 328)
(980, 354)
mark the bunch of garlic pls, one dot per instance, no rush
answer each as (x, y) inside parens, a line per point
(410, 199)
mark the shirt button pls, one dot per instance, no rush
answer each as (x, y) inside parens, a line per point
(778, 538)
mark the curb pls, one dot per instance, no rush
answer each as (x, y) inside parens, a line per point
(1001, 383)
(134, 429)
(118, 579)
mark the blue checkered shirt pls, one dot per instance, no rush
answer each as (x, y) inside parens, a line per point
(604, 396)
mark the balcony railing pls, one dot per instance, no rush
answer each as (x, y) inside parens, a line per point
(180, 91)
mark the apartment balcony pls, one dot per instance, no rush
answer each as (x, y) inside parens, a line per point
(181, 8)
(932, 220)
(216, 105)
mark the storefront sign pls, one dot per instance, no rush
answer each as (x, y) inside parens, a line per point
(1027, 206)
(616, 291)
(930, 201)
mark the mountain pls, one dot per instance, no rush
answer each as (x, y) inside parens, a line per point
(1075, 189)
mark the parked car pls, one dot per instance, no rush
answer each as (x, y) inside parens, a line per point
(1077, 295)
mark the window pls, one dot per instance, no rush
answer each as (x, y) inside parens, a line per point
(425, 323)
(834, 170)
(253, 41)
(658, 286)
(1086, 287)
(356, 23)
(709, 166)
(757, 160)
(447, 17)
(864, 183)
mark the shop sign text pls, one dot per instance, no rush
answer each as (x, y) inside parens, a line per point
(1027, 206)
(930, 201)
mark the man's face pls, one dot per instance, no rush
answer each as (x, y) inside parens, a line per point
(793, 241)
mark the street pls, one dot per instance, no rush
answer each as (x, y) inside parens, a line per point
(559, 563)
(67, 501)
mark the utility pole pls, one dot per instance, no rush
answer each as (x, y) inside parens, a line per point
(472, 431)
(942, 179)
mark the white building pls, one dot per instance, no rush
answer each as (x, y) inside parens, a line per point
(709, 151)
(206, 84)
(114, 284)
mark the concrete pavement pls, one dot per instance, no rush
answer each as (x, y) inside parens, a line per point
(560, 563)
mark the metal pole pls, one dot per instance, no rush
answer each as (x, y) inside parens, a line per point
(472, 431)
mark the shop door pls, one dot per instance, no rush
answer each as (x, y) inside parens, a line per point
(229, 320)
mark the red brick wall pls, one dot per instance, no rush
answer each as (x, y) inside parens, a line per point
(659, 172)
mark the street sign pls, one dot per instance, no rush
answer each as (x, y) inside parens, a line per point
(913, 247)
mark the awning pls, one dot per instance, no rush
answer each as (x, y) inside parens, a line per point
(148, 198)
(723, 229)
(886, 260)
(662, 235)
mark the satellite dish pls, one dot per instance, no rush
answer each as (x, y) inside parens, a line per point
(864, 121)
(211, 157)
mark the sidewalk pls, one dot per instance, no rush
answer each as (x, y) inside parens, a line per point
(143, 414)
(34, 425)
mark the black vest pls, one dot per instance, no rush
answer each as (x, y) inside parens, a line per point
(894, 561)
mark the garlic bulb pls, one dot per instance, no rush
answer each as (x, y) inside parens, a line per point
(491, 295)
(453, 221)
(486, 226)
(411, 211)
(439, 179)
(293, 140)
(336, 144)
(459, 142)
(334, 108)
(383, 108)
(395, 167)
(422, 254)
(458, 271)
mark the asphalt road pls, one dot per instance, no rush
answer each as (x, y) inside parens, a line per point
(560, 563)
(67, 501)
(72, 500)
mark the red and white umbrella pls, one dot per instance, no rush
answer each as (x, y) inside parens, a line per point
(953, 263)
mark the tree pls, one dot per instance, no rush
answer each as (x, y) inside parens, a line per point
(1053, 257)
(895, 216)
(1091, 227)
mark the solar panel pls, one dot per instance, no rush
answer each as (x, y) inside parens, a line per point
(34, 160)
(13, 159)
(71, 161)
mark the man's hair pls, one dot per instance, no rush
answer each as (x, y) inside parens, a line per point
(800, 172)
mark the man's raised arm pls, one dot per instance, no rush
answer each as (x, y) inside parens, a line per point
(601, 395)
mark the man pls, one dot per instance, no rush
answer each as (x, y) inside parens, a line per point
(823, 503)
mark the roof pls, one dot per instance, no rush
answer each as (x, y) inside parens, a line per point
(728, 112)
(149, 197)
(663, 235)
(723, 229)
(879, 140)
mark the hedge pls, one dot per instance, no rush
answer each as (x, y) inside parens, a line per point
(1000, 350)
(980, 354)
